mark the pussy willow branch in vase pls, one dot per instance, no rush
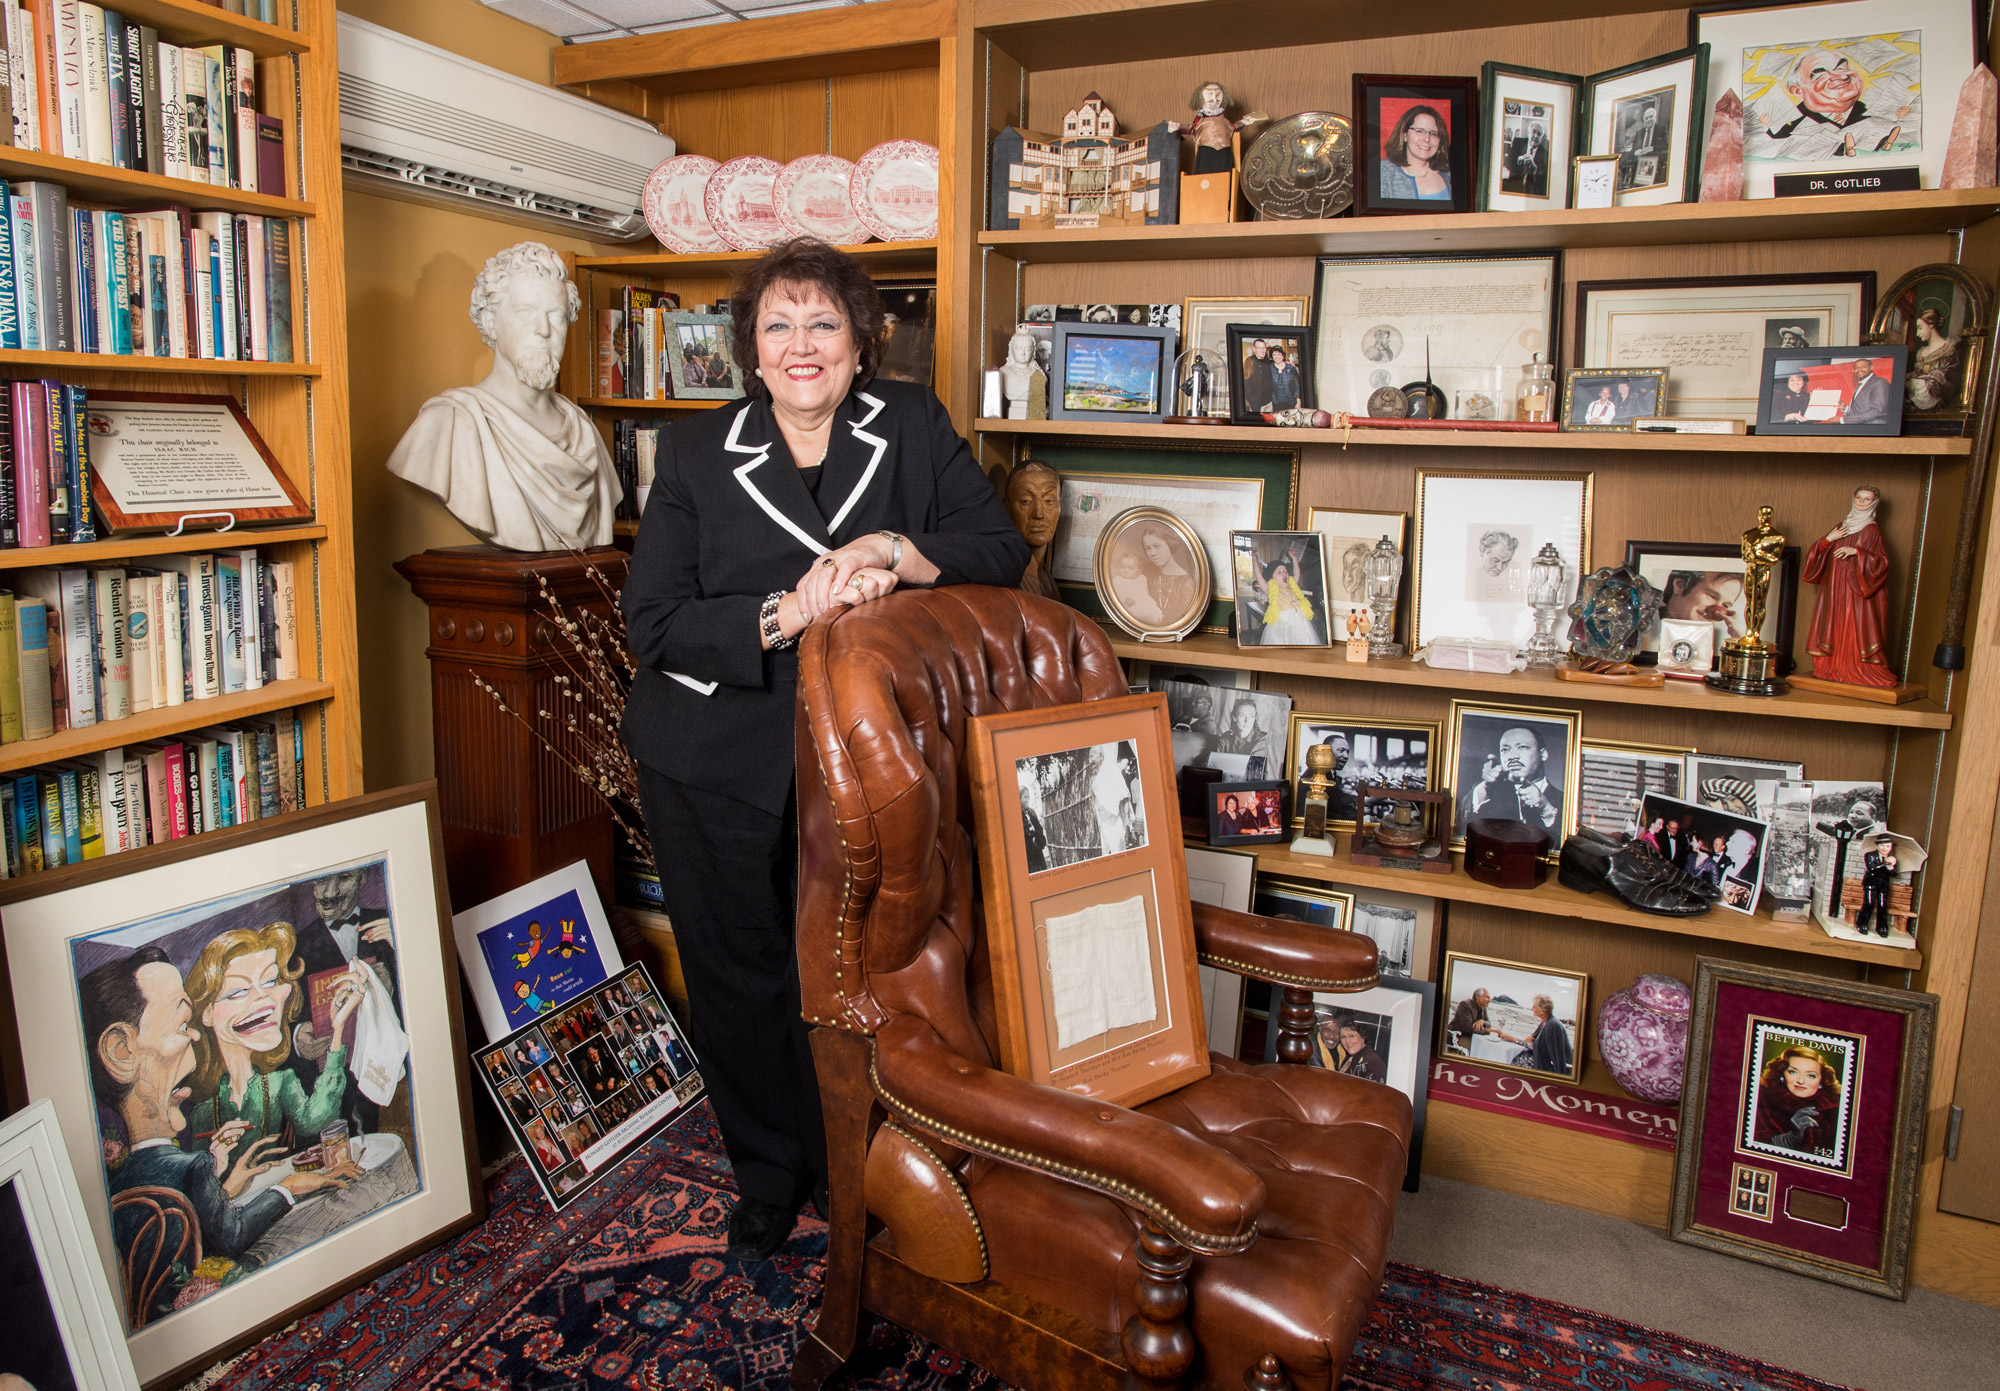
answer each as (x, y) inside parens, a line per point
(593, 678)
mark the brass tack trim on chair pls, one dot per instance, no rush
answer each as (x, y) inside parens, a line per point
(985, 1266)
(1244, 968)
(1205, 1243)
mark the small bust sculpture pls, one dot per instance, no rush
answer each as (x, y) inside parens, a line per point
(521, 466)
(1034, 500)
(1021, 379)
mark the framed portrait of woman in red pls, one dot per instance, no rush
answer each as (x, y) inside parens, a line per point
(1802, 1121)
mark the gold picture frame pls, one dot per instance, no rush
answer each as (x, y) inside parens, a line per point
(1219, 311)
(1356, 729)
(1161, 606)
(1518, 983)
(1497, 773)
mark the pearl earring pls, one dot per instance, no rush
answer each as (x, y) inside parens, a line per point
(759, 371)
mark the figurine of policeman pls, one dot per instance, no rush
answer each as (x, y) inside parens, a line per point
(1878, 871)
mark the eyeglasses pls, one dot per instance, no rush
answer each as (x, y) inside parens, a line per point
(819, 330)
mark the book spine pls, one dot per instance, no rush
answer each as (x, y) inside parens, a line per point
(267, 622)
(278, 288)
(90, 820)
(298, 758)
(270, 155)
(142, 73)
(182, 818)
(244, 137)
(10, 671)
(82, 290)
(239, 283)
(28, 822)
(159, 801)
(96, 82)
(31, 630)
(7, 833)
(118, 90)
(21, 73)
(52, 274)
(134, 773)
(47, 48)
(72, 816)
(60, 469)
(207, 622)
(10, 515)
(173, 119)
(55, 846)
(173, 635)
(194, 112)
(138, 323)
(116, 278)
(69, 78)
(288, 797)
(256, 303)
(114, 651)
(199, 817)
(139, 639)
(79, 648)
(284, 579)
(11, 131)
(216, 108)
(76, 428)
(229, 612)
(249, 637)
(214, 806)
(31, 468)
(21, 249)
(107, 770)
(10, 293)
(266, 738)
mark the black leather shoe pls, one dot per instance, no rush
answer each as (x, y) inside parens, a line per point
(756, 1230)
(1597, 842)
(1631, 872)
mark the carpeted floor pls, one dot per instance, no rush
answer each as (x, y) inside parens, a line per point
(629, 1290)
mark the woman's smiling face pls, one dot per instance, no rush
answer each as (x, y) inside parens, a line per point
(1424, 138)
(249, 1010)
(1801, 1076)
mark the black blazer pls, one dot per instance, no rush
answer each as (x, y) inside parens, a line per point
(729, 520)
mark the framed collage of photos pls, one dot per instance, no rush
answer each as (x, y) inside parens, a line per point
(1802, 1122)
(1087, 917)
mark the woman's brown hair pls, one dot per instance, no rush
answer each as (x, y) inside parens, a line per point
(806, 263)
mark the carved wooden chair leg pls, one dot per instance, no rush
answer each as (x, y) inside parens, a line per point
(1295, 1026)
(1267, 1375)
(1159, 1348)
(842, 1062)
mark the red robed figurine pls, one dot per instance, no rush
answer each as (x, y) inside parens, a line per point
(1850, 623)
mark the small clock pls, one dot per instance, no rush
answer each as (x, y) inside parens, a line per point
(1596, 181)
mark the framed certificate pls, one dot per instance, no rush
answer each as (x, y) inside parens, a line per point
(158, 461)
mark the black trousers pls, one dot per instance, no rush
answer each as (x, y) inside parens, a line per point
(728, 874)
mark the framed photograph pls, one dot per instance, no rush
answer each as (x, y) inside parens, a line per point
(1528, 127)
(1206, 318)
(1088, 924)
(1730, 784)
(1121, 372)
(1511, 1015)
(1602, 401)
(1280, 579)
(1516, 763)
(1308, 901)
(1855, 87)
(616, 1070)
(1469, 319)
(1241, 733)
(1710, 333)
(1152, 574)
(1215, 490)
(1382, 1035)
(1270, 369)
(1703, 582)
(698, 360)
(1615, 779)
(63, 1324)
(1403, 928)
(1222, 879)
(1595, 181)
(1788, 851)
(1156, 676)
(1722, 847)
(1416, 141)
(231, 1170)
(1802, 1122)
(1350, 535)
(1833, 391)
(1246, 813)
(535, 948)
(1648, 114)
(157, 458)
(909, 330)
(1941, 314)
(1367, 749)
(1477, 533)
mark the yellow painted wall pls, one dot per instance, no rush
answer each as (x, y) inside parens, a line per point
(409, 277)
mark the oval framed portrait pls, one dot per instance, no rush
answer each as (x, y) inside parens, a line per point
(1941, 314)
(1152, 574)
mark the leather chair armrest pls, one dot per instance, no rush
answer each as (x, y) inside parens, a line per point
(1202, 1196)
(1283, 951)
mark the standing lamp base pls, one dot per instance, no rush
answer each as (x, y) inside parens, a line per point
(1751, 673)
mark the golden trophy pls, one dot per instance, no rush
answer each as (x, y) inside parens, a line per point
(1749, 665)
(1315, 788)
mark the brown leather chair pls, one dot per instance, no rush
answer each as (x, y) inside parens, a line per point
(1054, 1240)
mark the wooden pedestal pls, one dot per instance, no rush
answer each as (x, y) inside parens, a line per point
(512, 810)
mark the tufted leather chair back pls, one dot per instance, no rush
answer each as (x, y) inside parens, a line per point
(889, 913)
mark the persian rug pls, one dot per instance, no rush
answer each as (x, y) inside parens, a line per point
(628, 1291)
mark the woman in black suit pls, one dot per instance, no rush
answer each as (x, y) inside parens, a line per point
(825, 488)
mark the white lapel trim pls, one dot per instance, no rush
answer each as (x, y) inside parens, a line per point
(706, 688)
(868, 474)
(763, 453)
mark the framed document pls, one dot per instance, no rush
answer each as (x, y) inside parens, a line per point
(157, 460)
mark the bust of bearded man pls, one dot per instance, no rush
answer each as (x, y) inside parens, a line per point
(520, 465)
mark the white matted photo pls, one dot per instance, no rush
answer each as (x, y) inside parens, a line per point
(1511, 1015)
(1477, 534)
(1207, 318)
(1081, 804)
(1646, 113)
(1528, 137)
(535, 948)
(1350, 536)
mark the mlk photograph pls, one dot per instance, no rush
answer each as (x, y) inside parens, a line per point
(1389, 753)
(1081, 804)
(1723, 850)
(1514, 764)
(1800, 1107)
(1240, 732)
(1280, 583)
(1511, 1015)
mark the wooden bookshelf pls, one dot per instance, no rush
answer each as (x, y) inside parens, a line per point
(881, 258)
(103, 183)
(43, 363)
(190, 22)
(136, 547)
(617, 404)
(163, 723)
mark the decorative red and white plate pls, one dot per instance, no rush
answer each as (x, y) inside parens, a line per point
(673, 206)
(811, 198)
(895, 190)
(738, 199)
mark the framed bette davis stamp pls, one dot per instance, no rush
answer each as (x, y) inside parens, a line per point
(1088, 922)
(1802, 1122)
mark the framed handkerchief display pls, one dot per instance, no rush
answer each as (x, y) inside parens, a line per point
(1087, 912)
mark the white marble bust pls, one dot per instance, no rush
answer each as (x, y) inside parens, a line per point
(521, 466)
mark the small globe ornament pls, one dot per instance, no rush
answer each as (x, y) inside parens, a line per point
(1613, 610)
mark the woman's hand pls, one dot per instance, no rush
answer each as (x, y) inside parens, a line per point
(255, 1159)
(346, 999)
(224, 1140)
(866, 585)
(821, 587)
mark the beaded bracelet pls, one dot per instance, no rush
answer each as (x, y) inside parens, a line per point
(767, 622)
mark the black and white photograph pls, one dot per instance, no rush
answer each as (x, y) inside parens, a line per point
(1366, 750)
(1598, 400)
(1527, 136)
(1154, 676)
(1788, 849)
(1702, 582)
(1644, 131)
(1270, 369)
(1513, 1015)
(1246, 813)
(1280, 581)
(1730, 784)
(1844, 814)
(1833, 391)
(1719, 848)
(1403, 928)
(1516, 764)
(1353, 1041)
(1524, 136)
(1081, 804)
(1644, 114)
(1311, 903)
(1240, 732)
(1351, 537)
(1151, 573)
(1614, 779)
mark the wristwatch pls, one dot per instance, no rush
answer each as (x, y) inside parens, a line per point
(896, 557)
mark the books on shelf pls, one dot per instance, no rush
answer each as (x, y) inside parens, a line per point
(634, 444)
(127, 798)
(89, 83)
(96, 644)
(632, 350)
(146, 282)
